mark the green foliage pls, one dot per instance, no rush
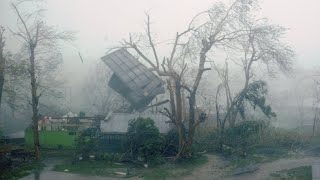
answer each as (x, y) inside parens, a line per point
(255, 137)
(235, 140)
(87, 143)
(255, 95)
(242, 137)
(20, 170)
(281, 138)
(110, 157)
(172, 143)
(144, 140)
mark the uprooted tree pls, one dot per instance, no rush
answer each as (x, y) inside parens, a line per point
(184, 67)
(41, 42)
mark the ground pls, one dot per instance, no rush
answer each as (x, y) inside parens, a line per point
(212, 169)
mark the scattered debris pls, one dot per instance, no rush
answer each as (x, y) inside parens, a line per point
(247, 169)
(121, 173)
(92, 156)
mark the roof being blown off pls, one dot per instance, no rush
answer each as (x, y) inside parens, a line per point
(134, 81)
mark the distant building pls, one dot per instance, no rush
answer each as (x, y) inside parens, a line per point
(117, 123)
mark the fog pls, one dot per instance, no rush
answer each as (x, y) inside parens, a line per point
(100, 25)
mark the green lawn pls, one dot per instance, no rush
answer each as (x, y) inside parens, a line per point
(102, 168)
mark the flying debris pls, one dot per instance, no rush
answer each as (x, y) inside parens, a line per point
(80, 57)
(134, 81)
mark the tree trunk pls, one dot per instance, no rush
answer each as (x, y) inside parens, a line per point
(314, 125)
(180, 125)
(35, 116)
(2, 67)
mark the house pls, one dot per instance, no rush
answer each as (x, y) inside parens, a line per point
(117, 123)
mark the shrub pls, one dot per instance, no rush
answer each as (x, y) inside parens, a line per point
(110, 157)
(87, 143)
(281, 138)
(171, 143)
(254, 136)
(144, 140)
(235, 140)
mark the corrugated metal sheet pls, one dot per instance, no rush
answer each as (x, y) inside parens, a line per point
(118, 122)
(132, 79)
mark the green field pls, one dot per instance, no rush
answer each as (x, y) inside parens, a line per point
(53, 139)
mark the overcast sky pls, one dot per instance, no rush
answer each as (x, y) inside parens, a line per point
(102, 23)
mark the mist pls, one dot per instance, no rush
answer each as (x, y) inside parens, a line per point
(100, 25)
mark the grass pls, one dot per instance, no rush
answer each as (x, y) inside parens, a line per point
(303, 172)
(94, 168)
(21, 170)
(102, 168)
(257, 156)
(173, 169)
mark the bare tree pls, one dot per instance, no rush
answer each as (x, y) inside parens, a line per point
(100, 98)
(260, 44)
(2, 61)
(188, 56)
(38, 37)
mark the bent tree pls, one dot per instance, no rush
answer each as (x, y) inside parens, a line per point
(260, 45)
(40, 40)
(184, 66)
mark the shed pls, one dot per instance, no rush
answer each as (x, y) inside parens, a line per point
(133, 80)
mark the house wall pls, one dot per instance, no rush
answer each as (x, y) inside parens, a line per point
(118, 122)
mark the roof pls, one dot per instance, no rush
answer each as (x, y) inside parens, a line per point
(118, 122)
(133, 80)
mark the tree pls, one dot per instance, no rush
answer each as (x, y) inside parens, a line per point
(261, 43)
(191, 47)
(316, 102)
(39, 40)
(2, 62)
(100, 98)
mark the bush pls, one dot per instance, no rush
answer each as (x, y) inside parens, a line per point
(87, 143)
(237, 140)
(254, 136)
(144, 140)
(110, 157)
(281, 138)
(92, 142)
(171, 143)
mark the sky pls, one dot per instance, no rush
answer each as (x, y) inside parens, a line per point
(101, 24)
